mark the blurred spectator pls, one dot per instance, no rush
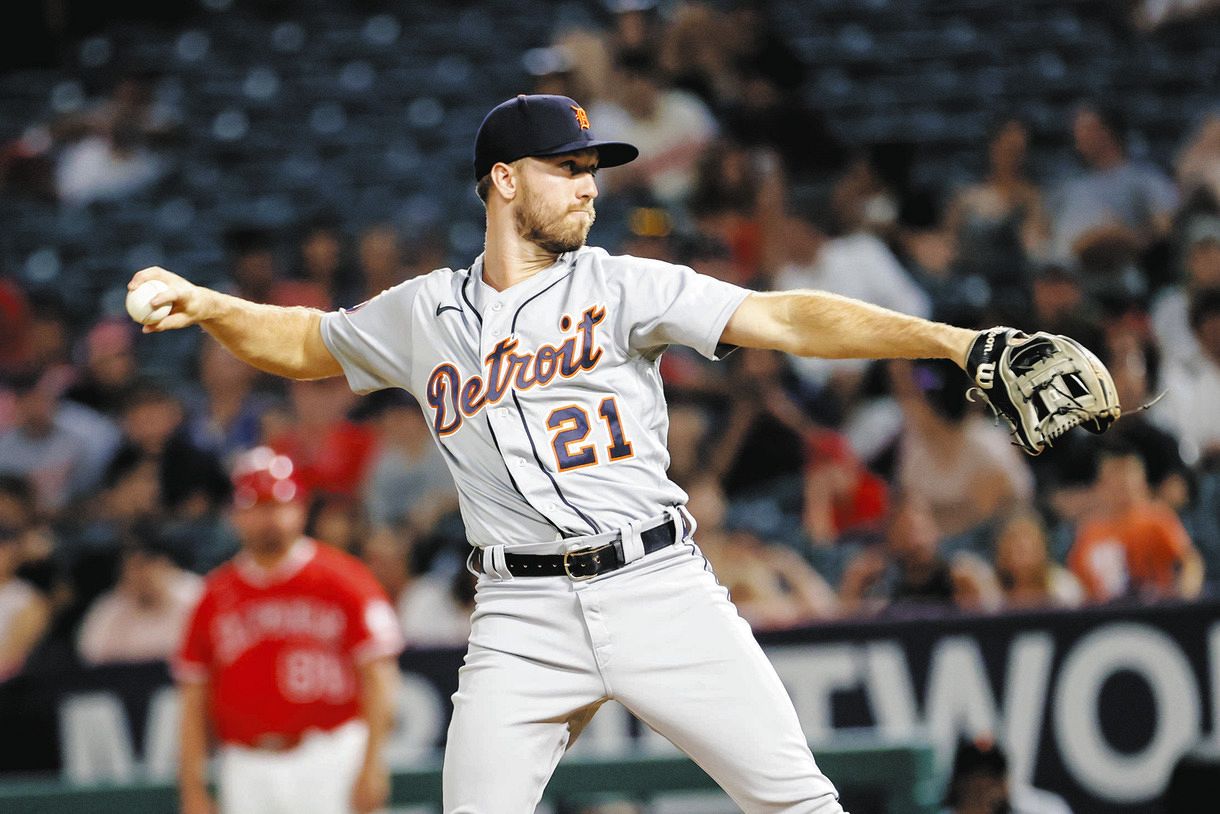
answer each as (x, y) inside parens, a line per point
(408, 480)
(19, 510)
(635, 26)
(979, 783)
(425, 253)
(999, 222)
(132, 103)
(109, 151)
(61, 446)
(381, 263)
(337, 520)
(332, 453)
(763, 439)
(144, 616)
(389, 553)
(1192, 386)
(1198, 165)
(1132, 544)
(106, 166)
(760, 99)
(433, 607)
(552, 69)
(254, 270)
(589, 64)
(910, 574)
(227, 420)
(109, 369)
(858, 265)
(1027, 574)
(1059, 303)
(841, 496)
(324, 265)
(49, 332)
(1116, 205)
(25, 613)
(759, 50)
(771, 585)
(1135, 364)
(16, 353)
(1171, 311)
(688, 433)
(694, 53)
(735, 189)
(959, 291)
(192, 480)
(670, 127)
(956, 460)
(766, 116)
(130, 497)
(1152, 14)
(863, 199)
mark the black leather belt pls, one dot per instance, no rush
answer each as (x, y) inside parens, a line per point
(582, 563)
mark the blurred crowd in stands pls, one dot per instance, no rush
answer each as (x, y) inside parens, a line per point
(823, 489)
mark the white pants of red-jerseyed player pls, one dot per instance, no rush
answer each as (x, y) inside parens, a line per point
(659, 636)
(315, 777)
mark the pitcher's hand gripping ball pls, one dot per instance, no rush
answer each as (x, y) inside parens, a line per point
(139, 303)
(1042, 384)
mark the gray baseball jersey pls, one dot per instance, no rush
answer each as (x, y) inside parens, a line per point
(545, 398)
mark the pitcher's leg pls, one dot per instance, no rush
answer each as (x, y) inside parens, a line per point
(512, 721)
(690, 668)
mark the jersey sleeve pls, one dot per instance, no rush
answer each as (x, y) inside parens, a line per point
(665, 304)
(371, 341)
(192, 663)
(373, 631)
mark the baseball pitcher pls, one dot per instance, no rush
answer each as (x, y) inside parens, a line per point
(537, 369)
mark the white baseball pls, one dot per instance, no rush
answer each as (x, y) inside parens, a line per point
(139, 302)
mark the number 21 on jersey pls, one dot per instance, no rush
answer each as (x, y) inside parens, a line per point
(571, 425)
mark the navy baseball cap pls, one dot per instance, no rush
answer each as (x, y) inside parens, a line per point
(541, 125)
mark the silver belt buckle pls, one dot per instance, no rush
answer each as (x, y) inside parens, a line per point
(580, 551)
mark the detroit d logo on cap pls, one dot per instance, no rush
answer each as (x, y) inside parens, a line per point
(582, 118)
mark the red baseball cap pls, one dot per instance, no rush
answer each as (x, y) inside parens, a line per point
(262, 476)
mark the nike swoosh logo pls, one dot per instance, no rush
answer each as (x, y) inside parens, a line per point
(440, 309)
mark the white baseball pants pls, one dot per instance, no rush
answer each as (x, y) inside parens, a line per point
(659, 636)
(316, 777)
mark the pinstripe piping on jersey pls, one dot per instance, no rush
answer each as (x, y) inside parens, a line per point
(521, 413)
(538, 460)
(513, 480)
(496, 440)
(473, 310)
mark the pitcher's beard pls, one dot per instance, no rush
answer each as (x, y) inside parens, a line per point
(554, 235)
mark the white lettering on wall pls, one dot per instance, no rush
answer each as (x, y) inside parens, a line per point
(95, 740)
(1213, 661)
(959, 699)
(890, 690)
(1149, 653)
(1026, 682)
(161, 735)
(812, 676)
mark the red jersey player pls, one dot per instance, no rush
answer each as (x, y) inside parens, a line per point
(289, 657)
